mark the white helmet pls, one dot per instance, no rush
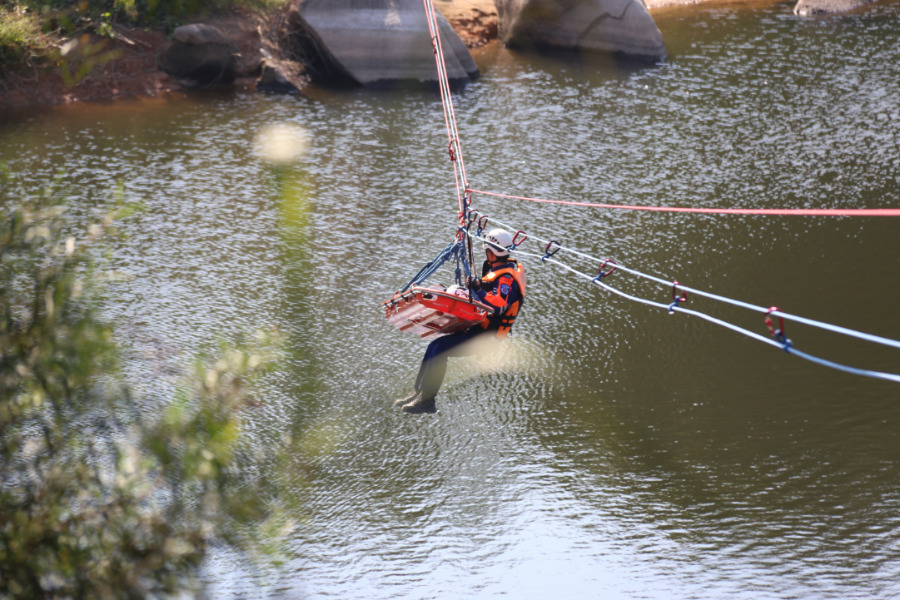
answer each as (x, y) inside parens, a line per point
(498, 241)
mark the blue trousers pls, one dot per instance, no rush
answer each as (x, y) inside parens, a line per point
(434, 364)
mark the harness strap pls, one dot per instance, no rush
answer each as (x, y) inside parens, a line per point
(455, 249)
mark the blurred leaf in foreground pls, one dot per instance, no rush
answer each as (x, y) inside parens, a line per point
(101, 497)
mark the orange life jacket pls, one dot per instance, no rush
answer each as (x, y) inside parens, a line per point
(503, 321)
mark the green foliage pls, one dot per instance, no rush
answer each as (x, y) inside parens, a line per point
(105, 27)
(20, 39)
(67, 14)
(30, 30)
(103, 496)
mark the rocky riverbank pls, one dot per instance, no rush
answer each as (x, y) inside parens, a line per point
(126, 65)
(128, 58)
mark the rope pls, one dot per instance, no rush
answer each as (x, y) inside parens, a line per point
(452, 250)
(738, 303)
(454, 146)
(797, 212)
(463, 241)
(779, 340)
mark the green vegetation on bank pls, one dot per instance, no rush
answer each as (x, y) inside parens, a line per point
(103, 493)
(21, 39)
(33, 32)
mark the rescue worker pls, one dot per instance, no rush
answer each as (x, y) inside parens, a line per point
(501, 286)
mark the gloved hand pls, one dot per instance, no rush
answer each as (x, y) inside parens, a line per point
(473, 283)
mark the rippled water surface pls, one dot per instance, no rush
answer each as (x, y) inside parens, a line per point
(617, 451)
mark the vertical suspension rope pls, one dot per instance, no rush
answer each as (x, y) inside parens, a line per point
(454, 145)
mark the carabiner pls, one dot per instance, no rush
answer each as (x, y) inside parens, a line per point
(601, 273)
(676, 299)
(482, 223)
(547, 252)
(778, 334)
(516, 244)
(612, 270)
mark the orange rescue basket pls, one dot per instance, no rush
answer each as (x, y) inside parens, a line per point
(432, 312)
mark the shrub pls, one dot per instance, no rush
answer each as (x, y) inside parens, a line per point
(21, 39)
(101, 496)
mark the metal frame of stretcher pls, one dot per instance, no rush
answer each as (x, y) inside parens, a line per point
(431, 312)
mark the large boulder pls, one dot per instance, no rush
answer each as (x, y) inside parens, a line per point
(198, 55)
(618, 26)
(808, 8)
(376, 42)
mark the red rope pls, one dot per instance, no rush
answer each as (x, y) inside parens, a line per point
(805, 212)
(455, 147)
(462, 189)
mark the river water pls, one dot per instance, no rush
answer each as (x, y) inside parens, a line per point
(615, 451)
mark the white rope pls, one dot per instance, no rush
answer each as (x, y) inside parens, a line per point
(462, 188)
(775, 313)
(454, 143)
(674, 307)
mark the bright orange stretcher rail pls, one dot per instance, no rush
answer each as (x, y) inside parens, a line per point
(803, 212)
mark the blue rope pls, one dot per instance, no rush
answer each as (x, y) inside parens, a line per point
(428, 270)
(462, 260)
(455, 249)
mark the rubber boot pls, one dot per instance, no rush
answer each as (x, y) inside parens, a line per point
(407, 399)
(420, 405)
